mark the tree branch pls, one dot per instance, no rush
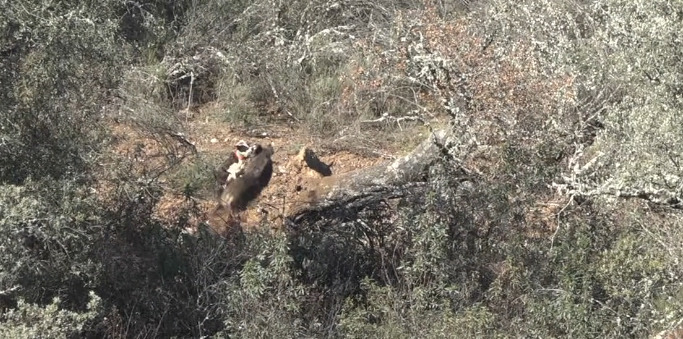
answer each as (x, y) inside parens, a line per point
(336, 196)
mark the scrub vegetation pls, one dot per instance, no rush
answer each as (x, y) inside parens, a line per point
(556, 212)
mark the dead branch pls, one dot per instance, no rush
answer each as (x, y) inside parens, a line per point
(348, 206)
(397, 120)
(337, 196)
(660, 197)
(410, 168)
(9, 290)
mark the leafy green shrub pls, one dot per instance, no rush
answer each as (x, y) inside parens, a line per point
(536, 90)
(238, 102)
(150, 25)
(61, 241)
(290, 62)
(417, 295)
(63, 60)
(602, 279)
(623, 59)
(265, 299)
(48, 231)
(195, 176)
(385, 316)
(33, 321)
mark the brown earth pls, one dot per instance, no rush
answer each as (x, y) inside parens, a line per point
(289, 187)
(292, 181)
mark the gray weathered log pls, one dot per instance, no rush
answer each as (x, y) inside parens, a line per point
(395, 179)
(410, 168)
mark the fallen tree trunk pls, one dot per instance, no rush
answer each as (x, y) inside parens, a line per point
(410, 168)
(396, 179)
(349, 205)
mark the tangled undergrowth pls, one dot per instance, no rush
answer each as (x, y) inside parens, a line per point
(553, 212)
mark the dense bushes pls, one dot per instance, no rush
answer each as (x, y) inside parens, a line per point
(31, 321)
(58, 63)
(323, 63)
(554, 215)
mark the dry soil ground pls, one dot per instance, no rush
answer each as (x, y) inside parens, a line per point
(286, 191)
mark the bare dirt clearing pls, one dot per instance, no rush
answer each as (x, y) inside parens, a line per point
(292, 180)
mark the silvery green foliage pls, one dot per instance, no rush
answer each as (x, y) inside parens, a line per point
(33, 321)
(640, 146)
(12, 251)
(45, 239)
(42, 253)
(264, 300)
(625, 57)
(58, 60)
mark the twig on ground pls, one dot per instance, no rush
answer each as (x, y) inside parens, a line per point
(559, 215)
(397, 120)
(9, 290)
